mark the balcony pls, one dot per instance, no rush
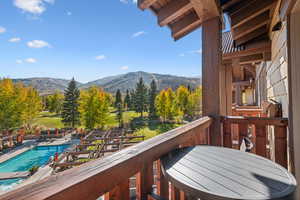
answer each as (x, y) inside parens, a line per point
(110, 176)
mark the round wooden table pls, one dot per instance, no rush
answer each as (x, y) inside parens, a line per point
(216, 173)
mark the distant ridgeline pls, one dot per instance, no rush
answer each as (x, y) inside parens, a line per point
(112, 83)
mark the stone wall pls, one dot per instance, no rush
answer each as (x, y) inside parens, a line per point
(272, 82)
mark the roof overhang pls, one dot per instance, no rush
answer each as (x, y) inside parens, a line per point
(182, 16)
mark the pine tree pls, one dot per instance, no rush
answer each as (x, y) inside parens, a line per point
(132, 100)
(140, 97)
(118, 99)
(70, 114)
(127, 100)
(119, 106)
(152, 96)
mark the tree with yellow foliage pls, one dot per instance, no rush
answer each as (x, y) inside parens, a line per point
(94, 107)
(166, 105)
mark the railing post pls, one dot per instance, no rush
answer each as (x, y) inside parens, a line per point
(162, 183)
(243, 132)
(260, 140)
(281, 145)
(144, 182)
(120, 192)
(227, 140)
(175, 193)
(182, 196)
(235, 136)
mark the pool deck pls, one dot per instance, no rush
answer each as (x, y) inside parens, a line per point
(60, 141)
(31, 144)
(13, 175)
(17, 151)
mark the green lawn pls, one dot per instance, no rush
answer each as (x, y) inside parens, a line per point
(48, 120)
(154, 129)
(141, 126)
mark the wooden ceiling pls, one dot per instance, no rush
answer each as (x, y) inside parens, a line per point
(182, 16)
(248, 41)
(250, 22)
(250, 19)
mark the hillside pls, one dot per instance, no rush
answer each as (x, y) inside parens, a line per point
(45, 85)
(129, 80)
(111, 83)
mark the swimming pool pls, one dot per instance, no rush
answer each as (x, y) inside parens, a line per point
(38, 156)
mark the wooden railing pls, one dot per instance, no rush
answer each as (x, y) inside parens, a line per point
(269, 135)
(248, 111)
(110, 175)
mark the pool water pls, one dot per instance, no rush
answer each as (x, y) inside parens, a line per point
(38, 156)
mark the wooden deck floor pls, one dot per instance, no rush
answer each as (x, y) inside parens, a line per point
(13, 175)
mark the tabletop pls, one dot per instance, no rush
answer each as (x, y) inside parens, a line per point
(214, 173)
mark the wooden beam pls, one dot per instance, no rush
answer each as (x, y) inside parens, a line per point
(251, 59)
(251, 68)
(212, 63)
(228, 84)
(263, 121)
(206, 9)
(144, 4)
(241, 83)
(250, 11)
(294, 94)
(237, 70)
(237, 7)
(186, 25)
(250, 49)
(173, 10)
(253, 24)
(230, 3)
(252, 35)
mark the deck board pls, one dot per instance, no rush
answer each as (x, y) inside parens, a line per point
(14, 175)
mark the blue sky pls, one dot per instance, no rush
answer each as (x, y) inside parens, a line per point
(89, 39)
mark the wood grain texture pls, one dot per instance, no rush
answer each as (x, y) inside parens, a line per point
(217, 173)
(95, 178)
(211, 62)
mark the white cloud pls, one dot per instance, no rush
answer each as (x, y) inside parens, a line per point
(197, 51)
(38, 44)
(32, 6)
(182, 55)
(14, 39)
(2, 29)
(137, 34)
(31, 60)
(127, 1)
(19, 61)
(69, 13)
(124, 67)
(100, 57)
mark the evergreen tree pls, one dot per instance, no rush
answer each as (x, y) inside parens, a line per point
(119, 106)
(140, 97)
(152, 96)
(132, 100)
(70, 113)
(127, 100)
(118, 99)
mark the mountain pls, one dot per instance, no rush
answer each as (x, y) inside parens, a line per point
(129, 80)
(112, 83)
(45, 85)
